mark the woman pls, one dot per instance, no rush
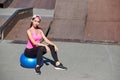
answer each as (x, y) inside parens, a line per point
(35, 48)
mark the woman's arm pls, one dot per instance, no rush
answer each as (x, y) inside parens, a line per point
(48, 41)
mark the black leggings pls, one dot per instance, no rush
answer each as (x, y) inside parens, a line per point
(39, 51)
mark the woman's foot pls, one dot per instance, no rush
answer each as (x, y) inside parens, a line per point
(59, 66)
(37, 70)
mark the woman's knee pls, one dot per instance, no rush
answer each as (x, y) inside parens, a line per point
(41, 48)
(50, 46)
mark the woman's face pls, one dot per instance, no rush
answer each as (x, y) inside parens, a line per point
(36, 21)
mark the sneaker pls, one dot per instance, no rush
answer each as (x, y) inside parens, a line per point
(37, 70)
(60, 67)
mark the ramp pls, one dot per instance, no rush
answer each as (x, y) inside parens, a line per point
(69, 20)
(43, 4)
(19, 30)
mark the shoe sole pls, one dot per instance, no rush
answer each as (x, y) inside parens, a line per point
(37, 73)
(59, 68)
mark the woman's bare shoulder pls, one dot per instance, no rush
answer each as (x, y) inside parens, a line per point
(29, 30)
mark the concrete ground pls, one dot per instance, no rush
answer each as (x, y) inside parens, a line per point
(84, 61)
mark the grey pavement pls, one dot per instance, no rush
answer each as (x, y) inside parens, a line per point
(41, 12)
(85, 61)
(7, 11)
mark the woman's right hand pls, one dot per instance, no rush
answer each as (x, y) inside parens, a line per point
(47, 48)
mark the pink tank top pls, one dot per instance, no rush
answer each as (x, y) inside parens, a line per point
(36, 37)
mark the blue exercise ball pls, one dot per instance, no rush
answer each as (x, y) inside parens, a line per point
(29, 62)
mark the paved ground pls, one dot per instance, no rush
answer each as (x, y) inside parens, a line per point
(84, 61)
(7, 11)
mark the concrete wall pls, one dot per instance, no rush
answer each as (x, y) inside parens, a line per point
(86, 20)
(69, 20)
(103, 21)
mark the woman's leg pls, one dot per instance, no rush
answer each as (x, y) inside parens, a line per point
(36, 52)
(40, 51)
(58, 65)
(53, 53)
(30, 52)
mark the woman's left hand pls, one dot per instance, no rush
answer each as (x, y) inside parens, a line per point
(56, 48)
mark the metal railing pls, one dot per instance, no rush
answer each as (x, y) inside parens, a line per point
(17, 15)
